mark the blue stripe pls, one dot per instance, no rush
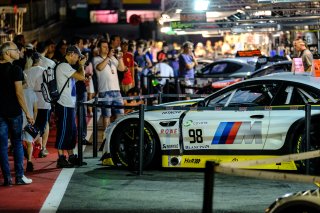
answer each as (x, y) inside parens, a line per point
(226, 132)
(63, 132)
(218, 133)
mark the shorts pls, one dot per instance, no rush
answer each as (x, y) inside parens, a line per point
(27, 137)
(188, 83)
(90, 87)
(66, 137)
(126, 88)
(42, 120)
(112, 98)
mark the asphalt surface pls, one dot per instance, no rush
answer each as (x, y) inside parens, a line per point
(96, 188)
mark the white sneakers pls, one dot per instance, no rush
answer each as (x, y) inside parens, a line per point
(23, 180)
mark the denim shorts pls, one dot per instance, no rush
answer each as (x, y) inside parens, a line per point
(112, 98)
(188, 83)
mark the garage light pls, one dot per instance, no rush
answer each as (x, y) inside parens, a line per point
(201, 5)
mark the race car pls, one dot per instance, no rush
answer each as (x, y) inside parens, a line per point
(273, 67)
(257, 118)
(299, 202)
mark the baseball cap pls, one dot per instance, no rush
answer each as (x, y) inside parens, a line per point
(74, 49)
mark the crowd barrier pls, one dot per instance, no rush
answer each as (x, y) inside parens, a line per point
(233, 168)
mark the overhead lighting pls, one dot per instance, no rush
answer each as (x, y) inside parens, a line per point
(213, 14)
(183, 32)
(165, 16)
(201, 5)
(178, 10)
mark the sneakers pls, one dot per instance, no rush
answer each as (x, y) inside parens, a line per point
(7, 182)
(29, 166)
(43, 153)
(23, 180)
(63, 163)
(74, 160)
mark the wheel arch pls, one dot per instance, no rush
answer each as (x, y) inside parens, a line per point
(297, 126)
(296, 204)
(157, 158)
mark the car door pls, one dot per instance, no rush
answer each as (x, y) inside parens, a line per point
(239, 121)
(285, 112)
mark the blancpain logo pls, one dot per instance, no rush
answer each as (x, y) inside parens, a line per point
(194, 123)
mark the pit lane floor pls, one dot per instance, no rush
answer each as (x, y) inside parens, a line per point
(96, 188)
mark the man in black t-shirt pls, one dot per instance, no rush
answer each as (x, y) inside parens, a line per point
(12, 101)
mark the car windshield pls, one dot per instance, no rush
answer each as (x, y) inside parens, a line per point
(251, 95)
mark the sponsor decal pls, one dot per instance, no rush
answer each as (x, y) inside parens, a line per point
(217, 108)
(171, 112)
(192, 160)
(194, 123)
(169, 131)
(268, 108)
(187, 123)
(170, 146)
(243, 108)
(187, 147)
(238, 132)
(294, 107)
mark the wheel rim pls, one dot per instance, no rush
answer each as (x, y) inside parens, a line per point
(126, 146)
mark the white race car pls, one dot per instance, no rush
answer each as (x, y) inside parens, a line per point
(299, 202)
(257, 118)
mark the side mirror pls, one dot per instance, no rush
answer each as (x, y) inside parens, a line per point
(201, 104)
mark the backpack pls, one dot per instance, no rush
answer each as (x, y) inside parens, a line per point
(49, 86)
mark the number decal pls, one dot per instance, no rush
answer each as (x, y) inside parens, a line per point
(195, 135)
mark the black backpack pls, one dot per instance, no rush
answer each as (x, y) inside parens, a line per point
(49, 86)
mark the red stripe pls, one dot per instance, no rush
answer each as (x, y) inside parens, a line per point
(233, 132)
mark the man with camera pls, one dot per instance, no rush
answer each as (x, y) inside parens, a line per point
(106, 66)
(65, 108)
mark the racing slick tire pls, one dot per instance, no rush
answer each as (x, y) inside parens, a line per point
(297, 207)
(300, 146)
(125, 145)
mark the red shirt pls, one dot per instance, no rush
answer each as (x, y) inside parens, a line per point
(128, 62)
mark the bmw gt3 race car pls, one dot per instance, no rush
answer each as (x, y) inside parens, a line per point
(299, 202)
(257, 118)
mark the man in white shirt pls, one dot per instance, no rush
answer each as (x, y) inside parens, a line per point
(106, 66)
(162, 69)
(65, 107)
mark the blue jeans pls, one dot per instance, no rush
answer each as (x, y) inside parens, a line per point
(14, 126)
